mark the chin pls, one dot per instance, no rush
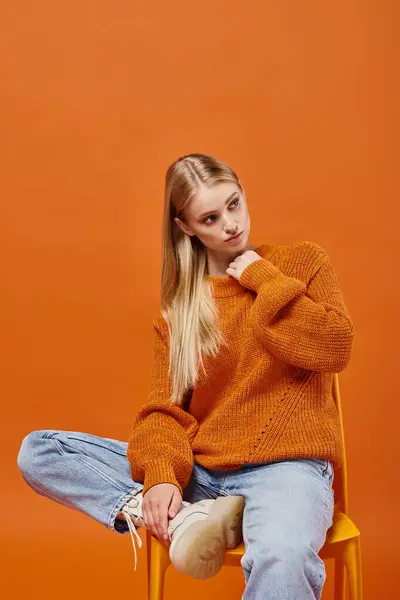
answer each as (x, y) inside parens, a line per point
(238, 247)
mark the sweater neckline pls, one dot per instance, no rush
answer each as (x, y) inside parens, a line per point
(225, 286)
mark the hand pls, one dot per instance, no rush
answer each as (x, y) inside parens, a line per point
(242, 261)
(160, 502)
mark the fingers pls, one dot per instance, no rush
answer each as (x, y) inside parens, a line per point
(175, 504)
(155, 519)
(161, 502)
(163, 521)
(148, 520)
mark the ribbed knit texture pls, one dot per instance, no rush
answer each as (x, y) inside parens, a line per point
(267, 396)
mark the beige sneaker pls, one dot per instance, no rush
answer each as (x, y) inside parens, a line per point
(132, 511)
(201, 532)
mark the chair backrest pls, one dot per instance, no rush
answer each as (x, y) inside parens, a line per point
(340, 479)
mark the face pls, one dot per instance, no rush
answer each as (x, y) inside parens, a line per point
(216, 213)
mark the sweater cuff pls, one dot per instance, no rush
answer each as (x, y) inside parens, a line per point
(259, 272)
(160, 471)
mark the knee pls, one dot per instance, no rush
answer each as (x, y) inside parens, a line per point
(293, 553)
(28, 453)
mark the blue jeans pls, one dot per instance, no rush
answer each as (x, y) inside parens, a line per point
(288, 504)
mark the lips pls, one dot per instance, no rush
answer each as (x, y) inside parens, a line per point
(234, 237)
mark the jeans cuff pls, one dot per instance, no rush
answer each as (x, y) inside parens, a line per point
(118, 525)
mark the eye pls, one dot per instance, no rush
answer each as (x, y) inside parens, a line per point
(233, 204)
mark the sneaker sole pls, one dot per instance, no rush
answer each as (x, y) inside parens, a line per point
(200, 550)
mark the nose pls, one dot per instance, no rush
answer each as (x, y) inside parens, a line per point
(231, 228)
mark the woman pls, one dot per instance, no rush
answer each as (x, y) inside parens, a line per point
(240, 432)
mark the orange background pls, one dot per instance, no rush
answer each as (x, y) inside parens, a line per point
(97, 99)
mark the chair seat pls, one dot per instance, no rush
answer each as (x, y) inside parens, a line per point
(342, 529)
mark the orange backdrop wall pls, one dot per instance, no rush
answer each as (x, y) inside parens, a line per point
(97, 99)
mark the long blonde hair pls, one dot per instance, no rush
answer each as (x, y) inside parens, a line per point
(187, 304)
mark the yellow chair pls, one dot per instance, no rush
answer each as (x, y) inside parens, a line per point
(342, 542)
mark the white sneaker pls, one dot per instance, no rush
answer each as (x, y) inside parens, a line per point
(132, 511)
(201, 532)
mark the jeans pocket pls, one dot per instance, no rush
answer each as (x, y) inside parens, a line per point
(318, 467)
(328, 472)
(322, 470)
(328, 475)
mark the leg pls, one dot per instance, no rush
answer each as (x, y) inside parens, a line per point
(288, 510)
(81, 471)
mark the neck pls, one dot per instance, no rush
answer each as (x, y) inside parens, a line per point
(218, 262)
(224, 286)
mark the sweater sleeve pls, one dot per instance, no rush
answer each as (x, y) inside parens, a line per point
(159, 447)
(306, 325)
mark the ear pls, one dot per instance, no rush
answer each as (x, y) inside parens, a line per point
(183, 227)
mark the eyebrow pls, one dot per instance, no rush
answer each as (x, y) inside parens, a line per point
(210, 212)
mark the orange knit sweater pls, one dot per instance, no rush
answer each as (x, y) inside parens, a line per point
(268, 394)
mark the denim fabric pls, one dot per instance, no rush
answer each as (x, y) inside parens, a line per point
(288, 504)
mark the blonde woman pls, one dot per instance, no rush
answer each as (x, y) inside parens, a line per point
(240, 432)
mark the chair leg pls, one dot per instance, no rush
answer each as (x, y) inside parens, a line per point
(148, 552)
(352, 559)
(340, 579)
(158, 564)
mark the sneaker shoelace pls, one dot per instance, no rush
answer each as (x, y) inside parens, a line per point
(133, 532)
